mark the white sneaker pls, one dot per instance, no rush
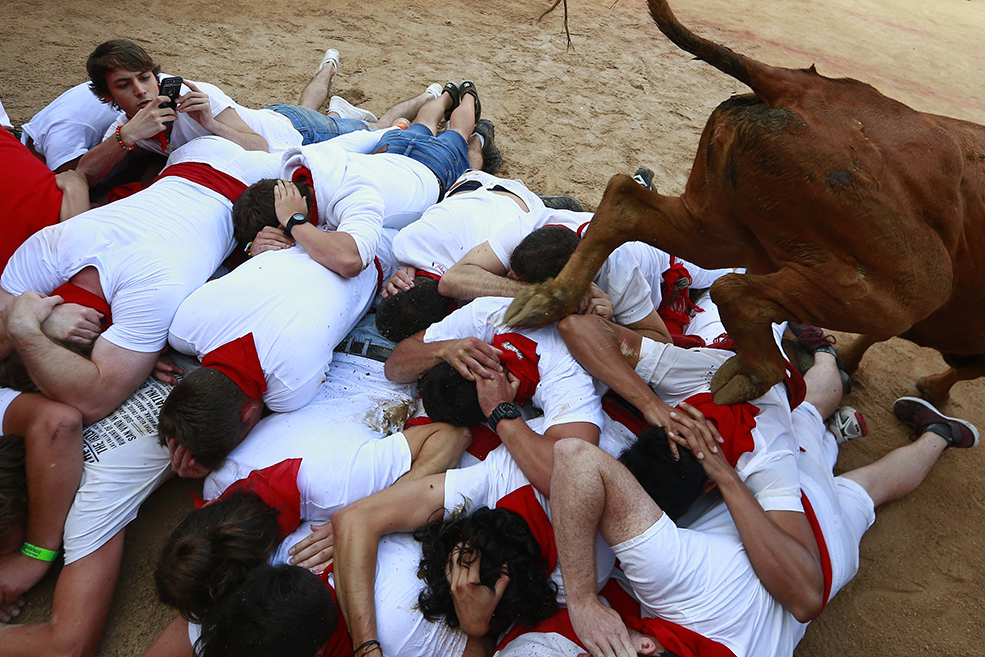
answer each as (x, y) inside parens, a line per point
(331, 55)
(347, 110)
(847, 424)
(435, 89)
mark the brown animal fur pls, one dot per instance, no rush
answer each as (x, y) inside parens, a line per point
(848, 209)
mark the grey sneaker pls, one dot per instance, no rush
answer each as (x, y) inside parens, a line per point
(644, 177)
(847, 424)
(492, 159)
(921, 416)
(562, 202)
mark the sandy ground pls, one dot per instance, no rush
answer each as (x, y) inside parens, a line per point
(567, 119)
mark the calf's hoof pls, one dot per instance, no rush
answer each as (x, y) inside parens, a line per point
(536, 306)
(735, 382)
(932, 392)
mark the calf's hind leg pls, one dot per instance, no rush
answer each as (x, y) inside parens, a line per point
(937, 388)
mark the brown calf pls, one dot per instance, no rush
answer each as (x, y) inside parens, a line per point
(848, 209)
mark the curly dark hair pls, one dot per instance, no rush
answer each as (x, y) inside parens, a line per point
(254, 209)
(402, 315)
(498, 537)
(673, 485)
(450, 397)
(543, 253)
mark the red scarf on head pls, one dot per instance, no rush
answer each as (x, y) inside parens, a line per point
(239, 361)
(303, 174)
(676, 308)
(277, 486)
(524, 501)
(734, 422)
(206, 176)
(520, 358)
(72, 293)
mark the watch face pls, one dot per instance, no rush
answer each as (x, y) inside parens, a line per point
(298, 218)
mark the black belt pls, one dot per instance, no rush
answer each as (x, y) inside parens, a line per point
(472, 185)
(365, 349)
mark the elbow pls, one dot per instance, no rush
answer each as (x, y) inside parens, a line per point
(808, 608)
(350, 268)
(448, 288)
(95, 410)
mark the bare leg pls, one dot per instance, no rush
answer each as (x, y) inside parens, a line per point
(462, 119)
(898, 473)
(824, 389)
(407, 109)
(475, 152)
(318, 90)
(433, 111)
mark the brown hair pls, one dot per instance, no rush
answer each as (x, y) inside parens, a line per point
(254, 209)
(13, 482)
(118, 53)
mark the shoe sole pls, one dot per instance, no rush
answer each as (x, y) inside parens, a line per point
(920, 413)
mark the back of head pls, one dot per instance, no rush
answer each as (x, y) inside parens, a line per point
(673, 485)
(13, 483)
(118, 53)
(203, 414)
(254, 209)
(400, 316)
(543, 253)
(496, 537)
(211, 551)
(450, 397)
(279, 611)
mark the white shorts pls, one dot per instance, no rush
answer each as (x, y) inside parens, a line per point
(678, 373)
(7, 397)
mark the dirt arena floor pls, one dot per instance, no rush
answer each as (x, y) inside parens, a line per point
(567, 119)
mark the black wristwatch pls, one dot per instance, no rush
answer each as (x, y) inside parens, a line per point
(295, 219)
(505, 411)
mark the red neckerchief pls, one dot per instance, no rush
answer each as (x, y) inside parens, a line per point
(303, 174)
(452, 303)
(520, 358)
(72, 293)
(581, 229)
(524, 501)
(379, 274)
(277, 486)
(677, 639)
(123, 191)
(615, 408)
(340, 644)
(822, 547)
(676, 308)
(484, 439)
(734, 422)
(206, 176)
(796, 386)
(239, 361)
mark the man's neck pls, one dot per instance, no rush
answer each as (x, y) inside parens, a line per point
(88, 280)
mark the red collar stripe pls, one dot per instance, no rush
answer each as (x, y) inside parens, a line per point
(72, 293)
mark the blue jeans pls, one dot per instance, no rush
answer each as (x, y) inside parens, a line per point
(447, 155)
(315, 126)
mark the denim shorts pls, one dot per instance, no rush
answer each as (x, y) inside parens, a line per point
(447, 155)
(314, 126)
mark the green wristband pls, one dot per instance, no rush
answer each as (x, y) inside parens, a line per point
(38, 553)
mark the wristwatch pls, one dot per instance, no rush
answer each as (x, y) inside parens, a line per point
(295, 219)
(505, 411)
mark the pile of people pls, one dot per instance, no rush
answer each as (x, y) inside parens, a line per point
(306, 310)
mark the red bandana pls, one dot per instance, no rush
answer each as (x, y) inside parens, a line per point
(72, 293)
(676, 308)
(239, 361)
(304, 175)
(677, 639)
(277, 486)
(203, 174)
(524, 501)
(520, 358)
(734, 422)
(796, 386)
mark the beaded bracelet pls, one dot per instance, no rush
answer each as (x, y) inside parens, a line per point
(119, 140)
(38, 553)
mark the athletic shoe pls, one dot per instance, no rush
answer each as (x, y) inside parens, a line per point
(644, 177)
(347, 110)
(435, 89)
(812, 339)
(562, 202)
(847, 424)
(921, 416)
(331, 55)
(492, 159)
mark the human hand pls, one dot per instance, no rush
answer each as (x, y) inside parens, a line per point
(402, 281)
(165, 369)
(316, 550)
(70, 322)
(149, 121)
(288, 201)
(18, 574)
(474, 602)
(197, 104)
(270, 238)
(24, 314)
(712, 459)
(494, 391)
(601, 630)
(683, 428)
(183, 463)
(472, 358)
(596, 302)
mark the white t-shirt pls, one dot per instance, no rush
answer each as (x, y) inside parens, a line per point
(70, 125)
(456, 225)
(151, 249)
(566, 392)
(504, 241)
(360, 193)
(297, 310)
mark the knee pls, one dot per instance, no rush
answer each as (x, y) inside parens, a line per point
(59, 422)
(575, 325)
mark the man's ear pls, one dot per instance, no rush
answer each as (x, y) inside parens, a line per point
(251, 413)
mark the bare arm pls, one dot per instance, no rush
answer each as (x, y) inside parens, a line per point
(478, 274)
(653, 327)
(413, 357)
(226, 124)
(173, 641)
(405, 506)
(146, 123)
(75, 193)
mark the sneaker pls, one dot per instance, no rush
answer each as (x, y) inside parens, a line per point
(347, 110)
(644, 177)
(922, 417)
(331, 55)
(812, 339)
(562, 202)
(492, 159)
(435, 89)
(847, 424)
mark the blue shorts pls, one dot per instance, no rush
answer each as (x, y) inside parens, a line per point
(447, 155)
(315, 126)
